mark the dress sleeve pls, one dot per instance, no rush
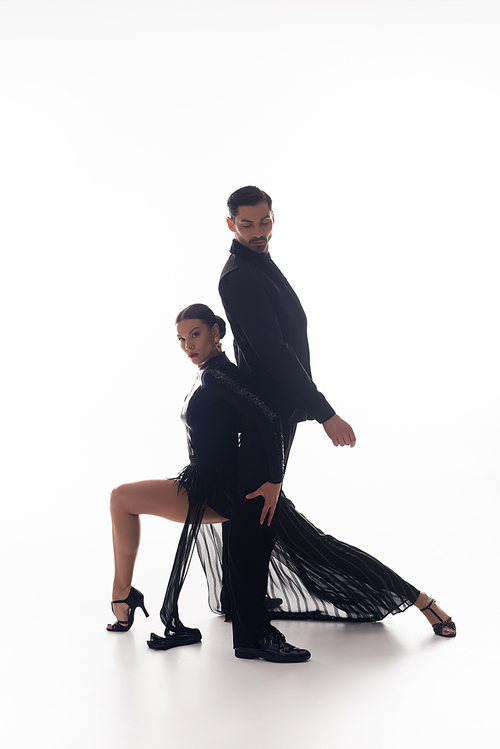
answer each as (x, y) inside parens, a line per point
(249, 404)
(246, 300)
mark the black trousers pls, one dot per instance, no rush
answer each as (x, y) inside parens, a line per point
(247, 543)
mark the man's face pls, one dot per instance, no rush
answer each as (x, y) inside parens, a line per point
(253, 226)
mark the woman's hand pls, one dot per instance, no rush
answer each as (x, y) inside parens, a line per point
(271, 493)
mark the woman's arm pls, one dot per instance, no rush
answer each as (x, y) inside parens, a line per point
(224, 386)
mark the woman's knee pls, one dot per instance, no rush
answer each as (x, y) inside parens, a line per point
(117, 498)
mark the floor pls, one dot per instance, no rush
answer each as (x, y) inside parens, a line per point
(70, 683)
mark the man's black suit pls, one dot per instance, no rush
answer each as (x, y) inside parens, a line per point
(270, 332)
(272, 353)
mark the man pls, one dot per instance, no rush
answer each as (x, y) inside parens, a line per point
(272, 352)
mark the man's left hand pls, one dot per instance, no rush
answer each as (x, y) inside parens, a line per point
(339, 431)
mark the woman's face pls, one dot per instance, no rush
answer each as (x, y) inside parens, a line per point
(197, 340)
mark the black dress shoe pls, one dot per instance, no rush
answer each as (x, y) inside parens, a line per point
(274, 647)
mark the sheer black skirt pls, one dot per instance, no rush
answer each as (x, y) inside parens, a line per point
(317, 576)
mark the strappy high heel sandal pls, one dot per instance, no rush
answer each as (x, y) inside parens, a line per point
(441, 624)
(134, 600)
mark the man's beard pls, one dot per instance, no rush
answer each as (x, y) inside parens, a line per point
(259, 247)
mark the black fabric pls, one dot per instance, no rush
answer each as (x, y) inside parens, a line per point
(213, 414)
(270, 332)
(317, 576)
(249, 542)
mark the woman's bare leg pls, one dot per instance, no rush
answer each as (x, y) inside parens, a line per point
(128, 501)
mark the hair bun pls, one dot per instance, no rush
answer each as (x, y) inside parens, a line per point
(222, 326)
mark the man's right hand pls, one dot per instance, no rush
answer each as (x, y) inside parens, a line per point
(270, 493)
(339, 431)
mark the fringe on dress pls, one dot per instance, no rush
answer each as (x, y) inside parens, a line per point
(211, 484)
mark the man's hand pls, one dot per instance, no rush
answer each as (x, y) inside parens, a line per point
(270, 493)
(339, 431)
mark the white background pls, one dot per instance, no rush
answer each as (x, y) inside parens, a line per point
(125, 126)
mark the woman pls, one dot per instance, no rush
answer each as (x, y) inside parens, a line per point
(203, 491)
(311, 575)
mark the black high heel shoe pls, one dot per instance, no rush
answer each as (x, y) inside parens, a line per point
(441, 624)
(134, 600)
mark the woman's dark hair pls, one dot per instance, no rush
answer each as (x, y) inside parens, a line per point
(202, 312)
(249, 195)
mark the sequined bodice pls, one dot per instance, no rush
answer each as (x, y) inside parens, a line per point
(212, 412)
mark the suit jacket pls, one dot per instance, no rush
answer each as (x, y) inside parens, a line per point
(270, 335)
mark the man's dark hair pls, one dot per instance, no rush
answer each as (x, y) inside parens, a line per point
(249, 195)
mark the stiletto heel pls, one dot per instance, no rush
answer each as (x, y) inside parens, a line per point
(441, 624)
(134, 600)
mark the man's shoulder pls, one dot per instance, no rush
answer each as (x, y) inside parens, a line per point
(240, 269)
(235, 263)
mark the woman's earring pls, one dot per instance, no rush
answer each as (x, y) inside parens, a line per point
(218, 344)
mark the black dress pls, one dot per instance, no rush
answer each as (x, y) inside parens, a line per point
(212, 412)
(315, 575)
